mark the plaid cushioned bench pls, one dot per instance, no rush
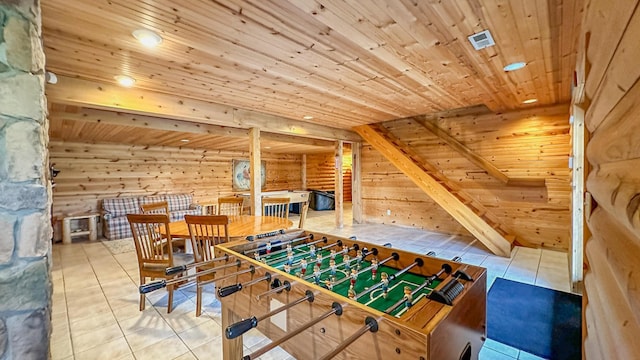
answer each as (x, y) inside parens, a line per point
(115, 210)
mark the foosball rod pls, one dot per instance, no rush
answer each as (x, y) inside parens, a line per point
(445, 268)
(373, 251)
(310, 236)
(299, 264)
(232, 289)
(323, 240)
(417, 262)
(180, 268)
(286, 285)
(153, 286)
(338, 243)
(394, 256)
(250, 269)
(234, 330)
(371, 325)
(336, 308)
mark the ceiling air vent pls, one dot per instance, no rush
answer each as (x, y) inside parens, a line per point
(481, 40)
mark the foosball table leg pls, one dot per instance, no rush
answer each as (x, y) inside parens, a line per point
(231, 348)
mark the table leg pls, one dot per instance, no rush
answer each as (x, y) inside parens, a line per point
(231, 349)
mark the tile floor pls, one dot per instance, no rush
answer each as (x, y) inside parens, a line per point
(95, 298)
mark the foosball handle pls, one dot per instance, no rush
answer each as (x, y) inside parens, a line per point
(175, 270)
(241, 327)
(147, 288)
(459, 274)
(228, 290)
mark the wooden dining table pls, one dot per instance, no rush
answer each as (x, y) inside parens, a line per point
(240, 226)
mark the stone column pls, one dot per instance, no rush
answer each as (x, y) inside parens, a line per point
(25, 193)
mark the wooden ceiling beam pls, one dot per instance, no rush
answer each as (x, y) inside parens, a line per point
(156, 123)
(96, 95)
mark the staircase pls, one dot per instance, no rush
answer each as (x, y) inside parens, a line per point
(470, 213)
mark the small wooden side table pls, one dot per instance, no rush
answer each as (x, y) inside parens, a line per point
(91, 229)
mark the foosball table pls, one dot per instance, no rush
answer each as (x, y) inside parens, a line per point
(320, 296)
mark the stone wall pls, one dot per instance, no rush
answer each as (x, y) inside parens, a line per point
(25, 230)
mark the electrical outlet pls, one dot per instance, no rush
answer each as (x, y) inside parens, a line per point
(388, 212)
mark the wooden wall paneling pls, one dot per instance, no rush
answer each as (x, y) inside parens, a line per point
(620, 247)
(605, 22)
(529, 143)
(616, 187)
(92, 172)
(611, 305)
(621, 74)
(321, 173)
(618, 137)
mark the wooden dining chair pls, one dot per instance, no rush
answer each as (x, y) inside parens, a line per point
(230, 206)
(162, 207)
(206, 232)
(156, 208)
(303, 214)
(278, 207)
(155, 252)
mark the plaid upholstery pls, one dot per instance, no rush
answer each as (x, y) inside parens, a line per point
(115, 210)
(152, 199)
(179, 202)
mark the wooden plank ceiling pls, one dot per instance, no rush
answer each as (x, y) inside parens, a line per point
(346, 63)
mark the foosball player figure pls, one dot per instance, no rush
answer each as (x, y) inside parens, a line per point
(319, 260)
(384, 279)
(351, 293)
(289, 247)
(287, 268)
(316, 274)
(332, 254)
(303, 267)
(358, 259)
(354, 277)
(374, 268)
(408, 298)
(345, 249)
(256, 255)
(312, 250)
(268, 247)
(332, 266)
(328, 284)
(290, 258)
(347, 263)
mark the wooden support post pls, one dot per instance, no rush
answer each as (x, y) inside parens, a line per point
(356, 182)
(256, 175)
(339, 197)
(303, 172)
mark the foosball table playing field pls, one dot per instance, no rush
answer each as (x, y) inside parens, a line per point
(320, 296)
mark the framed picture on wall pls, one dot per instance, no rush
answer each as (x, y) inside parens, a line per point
(242, 175)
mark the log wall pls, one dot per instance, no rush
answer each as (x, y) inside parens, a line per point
(321, 172)
(612, 109)
(92, 172)
(533, 143)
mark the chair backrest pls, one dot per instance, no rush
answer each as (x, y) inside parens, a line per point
(155, 208)
(230, 206)
(303, 214)
(276, 207)
(207, 231)
(151, 244)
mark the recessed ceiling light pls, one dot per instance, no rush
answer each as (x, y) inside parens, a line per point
(530, 101)
(515, 66)
(185, 140)
(124, 80)
(307, 117)
(147, 37)
(267, 147)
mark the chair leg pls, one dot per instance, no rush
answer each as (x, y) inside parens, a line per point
(142, 297)
(198, 301)
(170, 304)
